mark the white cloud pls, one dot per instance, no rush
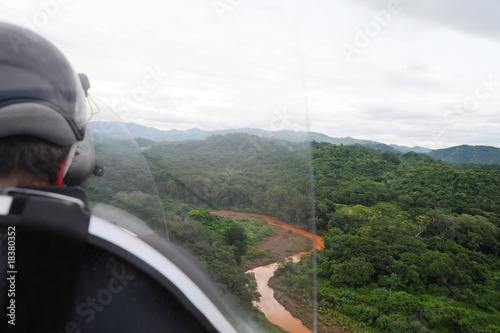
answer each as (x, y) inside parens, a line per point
(245, 66)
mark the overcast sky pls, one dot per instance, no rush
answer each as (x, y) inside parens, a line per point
(409, 72)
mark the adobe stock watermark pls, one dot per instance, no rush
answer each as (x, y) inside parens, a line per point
(365, 35)
(281, 120)
(454, 118)
(48, 10)
(128, 103)
(138, 94)
(222, 7)
(95, 304)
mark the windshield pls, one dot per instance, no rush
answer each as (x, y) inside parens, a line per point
(231, 182)
(240, 203)
(126, 193)
(238, 199)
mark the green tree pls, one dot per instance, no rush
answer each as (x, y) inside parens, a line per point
(236, 236)
(437, 267)
(355, 272)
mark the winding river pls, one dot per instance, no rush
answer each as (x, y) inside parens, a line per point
(273, 310)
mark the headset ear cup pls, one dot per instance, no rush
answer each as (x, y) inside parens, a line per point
(83, 163)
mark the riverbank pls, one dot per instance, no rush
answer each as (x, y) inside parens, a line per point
(326, 322)
(285, 242)
(282, 244)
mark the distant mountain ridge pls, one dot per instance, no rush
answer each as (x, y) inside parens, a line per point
(417, 149)
(460, 154)
(154, 134)
(468, 154)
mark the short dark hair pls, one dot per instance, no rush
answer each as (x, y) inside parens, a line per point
(37, 159)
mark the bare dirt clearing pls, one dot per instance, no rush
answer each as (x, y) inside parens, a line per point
(282, 244)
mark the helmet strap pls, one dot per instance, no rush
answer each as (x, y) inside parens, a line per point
(66, 164)
(60, 177)
(71, 155)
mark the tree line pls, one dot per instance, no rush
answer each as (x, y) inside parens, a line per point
(411, 242)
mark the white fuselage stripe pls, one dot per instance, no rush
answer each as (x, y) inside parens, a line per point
(5, 202)
(109, 232)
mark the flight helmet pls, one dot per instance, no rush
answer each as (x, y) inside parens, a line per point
(42, 96)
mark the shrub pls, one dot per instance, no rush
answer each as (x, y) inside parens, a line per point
(402, 302)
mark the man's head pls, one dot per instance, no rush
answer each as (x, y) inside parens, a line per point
(42, 112)
(27, 160)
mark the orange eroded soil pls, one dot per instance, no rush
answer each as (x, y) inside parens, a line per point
(285, 242)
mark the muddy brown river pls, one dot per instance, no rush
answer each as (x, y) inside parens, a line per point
(273, 310)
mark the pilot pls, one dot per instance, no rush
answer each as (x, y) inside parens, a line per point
(62, 269)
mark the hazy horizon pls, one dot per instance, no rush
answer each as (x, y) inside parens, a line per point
(331, 136)
(415, 73)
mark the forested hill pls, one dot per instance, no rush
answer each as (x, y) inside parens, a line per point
(269, 176)
(459, 154)
(358, 175)
(462, 154)
(468, 154)
(411, 242)
(238, 172)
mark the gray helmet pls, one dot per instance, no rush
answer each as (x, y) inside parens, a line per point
(40, 94)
